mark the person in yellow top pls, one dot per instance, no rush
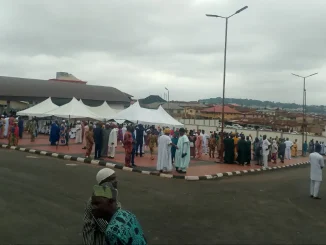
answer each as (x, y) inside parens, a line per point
(235, 139)
(294, 149)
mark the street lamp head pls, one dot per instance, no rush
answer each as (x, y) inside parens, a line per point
(214, 15)
(240, 10)
(296, 75)
(312, 74)
(166, 89)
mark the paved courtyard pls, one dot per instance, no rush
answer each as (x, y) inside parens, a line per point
(204, 166)
(43, 199)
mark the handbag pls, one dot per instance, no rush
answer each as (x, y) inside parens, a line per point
(192, 144)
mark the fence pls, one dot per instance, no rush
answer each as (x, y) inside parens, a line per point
(212, 125)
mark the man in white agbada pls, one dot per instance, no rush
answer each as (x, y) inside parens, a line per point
(113, 142)
(288, 145)
(5, 133)
(79, 136)
(164, 156)
(182, 154)
(316, 174)
(265, 149)
(205, 138)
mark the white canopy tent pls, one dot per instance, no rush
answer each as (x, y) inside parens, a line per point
(103, 111)
(137, 114)
(39, 109)
(168, 118)
(73, 109)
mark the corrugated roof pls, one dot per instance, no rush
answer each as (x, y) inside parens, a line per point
(165, 106)
(14, 87)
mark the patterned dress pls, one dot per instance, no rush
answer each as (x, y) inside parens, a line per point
(127, 144)
(124, 229)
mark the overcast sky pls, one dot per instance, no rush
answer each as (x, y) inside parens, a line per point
(142, 46)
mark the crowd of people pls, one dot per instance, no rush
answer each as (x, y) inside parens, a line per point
(11, 128)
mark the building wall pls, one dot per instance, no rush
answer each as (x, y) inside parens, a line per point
(195, 124)
(15, 105)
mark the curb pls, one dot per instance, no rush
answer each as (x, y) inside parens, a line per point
(169, 176)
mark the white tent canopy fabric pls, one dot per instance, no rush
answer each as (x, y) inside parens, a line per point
(137, 114)
(73, 109)
(103, 111)
(169, 120)
(39, 109)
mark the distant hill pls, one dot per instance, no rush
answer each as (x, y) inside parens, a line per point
(265, 104)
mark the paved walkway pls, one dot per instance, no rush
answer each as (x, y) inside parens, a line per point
(204, 166)
(43, 200)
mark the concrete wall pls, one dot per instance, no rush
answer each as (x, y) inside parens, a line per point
(190, 125)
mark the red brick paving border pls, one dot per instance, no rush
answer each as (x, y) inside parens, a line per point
(163, 175)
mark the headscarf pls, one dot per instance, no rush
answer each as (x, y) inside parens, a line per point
(167, 131)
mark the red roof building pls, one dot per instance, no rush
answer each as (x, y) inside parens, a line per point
(218, 109)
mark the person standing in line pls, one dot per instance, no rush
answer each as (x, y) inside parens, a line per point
(164, 156)
(199, 145)
(257, 151)
(79, 136)
(86, 128)
(212, 145)
(113, 141)
(105, 140)
(311, 146)
(205, 136)
(235, 140)
(242, 151)
(265, 149)
(281, 150)
(274, 151)
(305, 148)
(31, 129)
(248, 150)
(316, 174)
(54, 134)
(322, 151)
(140, 139)
(13, 134)
(128, 145)
(288, 144)
(6, 128)
(134, 145)
(192, 139)
(98, 138)
(173, 148)
(89, 138)
(152, 142)
(182, 155)
(294, 149)
(21, 127)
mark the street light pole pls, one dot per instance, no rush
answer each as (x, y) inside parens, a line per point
(168, 99)
(224, 73)
(304, 107)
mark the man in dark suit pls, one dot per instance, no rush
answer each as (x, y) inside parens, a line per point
(98, 138)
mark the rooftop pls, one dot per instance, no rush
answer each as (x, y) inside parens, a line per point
(166, 106)
(14, 88)
(218, 109)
